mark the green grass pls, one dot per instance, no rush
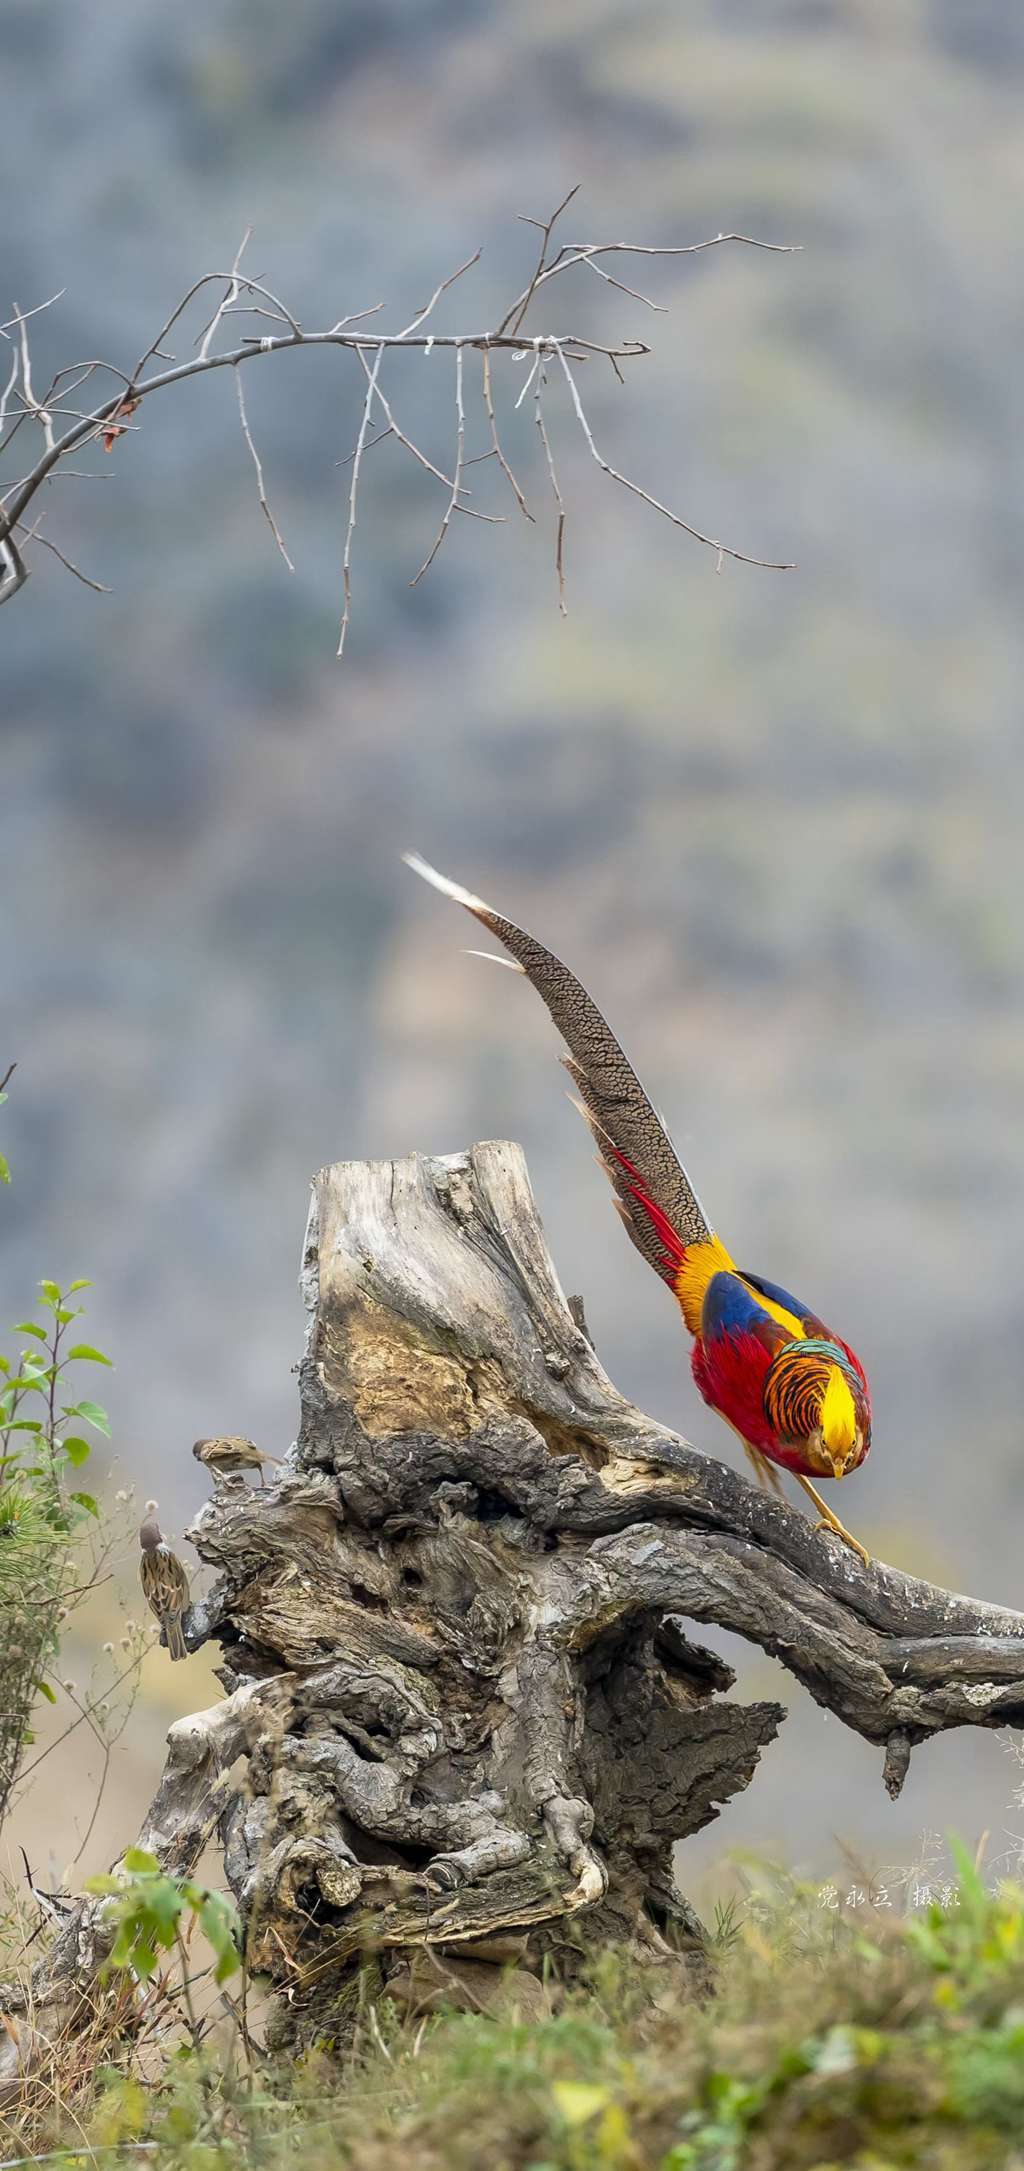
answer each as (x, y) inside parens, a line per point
(832, 2040)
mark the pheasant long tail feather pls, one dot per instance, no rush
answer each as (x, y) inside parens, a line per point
(653, 1192)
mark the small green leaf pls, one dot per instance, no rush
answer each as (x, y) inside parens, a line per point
(65, 1313)
(51, 1293)
(95, 1416)
(4, 1365)
(139, 1858)
(23, 1424)
(30, 1326)
(84, 1353)
(5, 1173)
(45, 1690)
(73, 1286)
(76, 1450)
(86, 1501)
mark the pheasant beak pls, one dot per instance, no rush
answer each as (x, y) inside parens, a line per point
(838, 1422)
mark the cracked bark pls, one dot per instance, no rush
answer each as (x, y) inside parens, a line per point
(465, 1705)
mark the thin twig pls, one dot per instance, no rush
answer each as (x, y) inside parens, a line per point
(261, 492)
(8, 1074)
(770, 565)
(32, 535)
(31, 401)
(356, 316)
(240, 294)
(560, 526)
(437, 293)
(516, 315)
(681, 248)
(460, 452)
(531, 374)
(368, 447)
(346, 562)
(21, 316)
(231, 295)
(87, 369)
(495, 444)
(394, 431)
(585, 252)
(633, 291)
(87, 1711)
(82, 432)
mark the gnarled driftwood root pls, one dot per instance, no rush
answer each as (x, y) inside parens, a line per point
(466, 1709)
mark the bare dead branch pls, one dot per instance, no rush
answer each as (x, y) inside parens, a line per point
(723, 549)
(21, 316)
(394, 431)
(495, 443)
(436, 296)
(514, 317)
(32, 535)
(157, 348)
(34, 406)
(356, 316)
(460, 454)
(247, 433)
(560, 522)
(368, 447)
(231, 295)
(587, 252)
(633, 291)
(67, 428)
(346, 563)
(682, 248)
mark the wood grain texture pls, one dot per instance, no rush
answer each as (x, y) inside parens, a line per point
(464, 1699)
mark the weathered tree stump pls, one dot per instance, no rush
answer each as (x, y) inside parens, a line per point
(464, 1702)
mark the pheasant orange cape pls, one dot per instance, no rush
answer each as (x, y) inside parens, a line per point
(793, 1391)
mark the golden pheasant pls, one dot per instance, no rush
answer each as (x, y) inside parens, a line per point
(791, 1388)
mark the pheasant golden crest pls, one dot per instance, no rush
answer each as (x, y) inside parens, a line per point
(791, 1388)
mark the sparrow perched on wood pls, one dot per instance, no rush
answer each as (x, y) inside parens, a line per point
(231, 1452)
(164, 1585)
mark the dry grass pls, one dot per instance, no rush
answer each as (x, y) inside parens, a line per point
(833, 2040)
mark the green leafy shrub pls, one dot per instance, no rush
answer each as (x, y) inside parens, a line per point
(42, 1508)
(152, 1912)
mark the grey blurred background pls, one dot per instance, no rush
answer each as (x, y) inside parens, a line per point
(773, 819)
